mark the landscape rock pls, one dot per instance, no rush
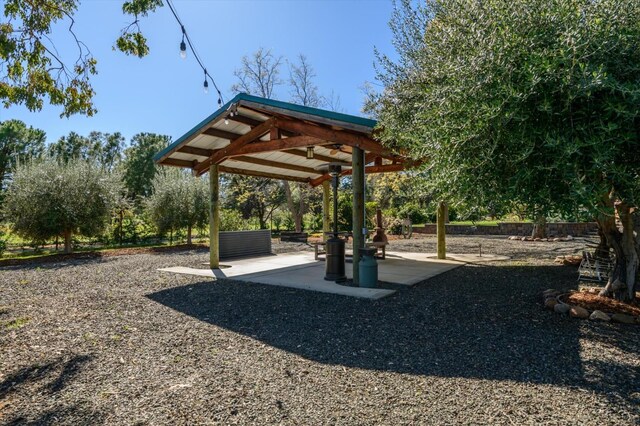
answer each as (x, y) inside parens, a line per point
(523, 239)
(568, 238)
(623, 318)
(561, 308)
(579, 312)
(599, 316)
(537, 239)
(556, 240)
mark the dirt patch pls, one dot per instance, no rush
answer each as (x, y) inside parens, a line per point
(589, 299)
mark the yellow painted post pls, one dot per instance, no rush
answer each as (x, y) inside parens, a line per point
(214, 218)
(441, 231)
(357, 179)
(326, 212)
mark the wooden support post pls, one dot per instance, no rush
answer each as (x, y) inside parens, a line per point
(358, 209)
(326, 209)
(214, 218)
(441, 230)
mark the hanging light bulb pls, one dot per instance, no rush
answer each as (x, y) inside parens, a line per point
(219, 101)
(226, 120)
(206, 83)
(183, 47)
(310, 152)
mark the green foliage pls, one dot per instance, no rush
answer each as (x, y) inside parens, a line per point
(253, 197)
(104, 149)
(178, 201)
(46, 199)
(414, 212)
(34, 69)
(140, 169)
(231, 220)
(18, 143)
(530, 102)
(3, 243)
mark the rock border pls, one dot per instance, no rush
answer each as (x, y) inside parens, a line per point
(549, 239)
(552, 300)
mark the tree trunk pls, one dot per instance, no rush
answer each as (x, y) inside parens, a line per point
(539, 227)
(120, 228)
(446, 213)
(296, 213)
(68, 243)
(623, 280)
(189, 235)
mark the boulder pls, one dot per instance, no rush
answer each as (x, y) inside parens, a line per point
(537, 239)
(523, 239)
(561, 308)
(623, 318)
(579, 312)
(556, 240)
(550, 303)
(569, 238)
(599, 316)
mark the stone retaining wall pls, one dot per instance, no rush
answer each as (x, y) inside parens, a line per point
(514, 228)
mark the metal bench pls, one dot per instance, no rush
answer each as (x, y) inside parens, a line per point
(595, 268)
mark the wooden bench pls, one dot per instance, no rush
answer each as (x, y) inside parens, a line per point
(379, 246)
(317, 250)
(294, 237)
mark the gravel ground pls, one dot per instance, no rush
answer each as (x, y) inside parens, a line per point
(112, 341)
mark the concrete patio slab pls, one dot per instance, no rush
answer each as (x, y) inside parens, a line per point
(302, 271)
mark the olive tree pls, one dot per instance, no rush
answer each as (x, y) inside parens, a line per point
(532, 102)
(178, 201)
(47, 199)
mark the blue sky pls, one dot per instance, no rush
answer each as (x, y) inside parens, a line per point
(162, 93)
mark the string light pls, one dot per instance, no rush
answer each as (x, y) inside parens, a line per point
(183, 46)
(183, 54)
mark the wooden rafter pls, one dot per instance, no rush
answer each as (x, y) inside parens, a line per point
(371, 169)
(218, 133)
(275, 164)
(316, 156)
(179, 163)
(202, 152)
(236, 144)
(277, 145)
(336, 136)
(251, 122)
(232, 170)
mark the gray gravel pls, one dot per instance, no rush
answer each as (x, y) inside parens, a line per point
(112, 341)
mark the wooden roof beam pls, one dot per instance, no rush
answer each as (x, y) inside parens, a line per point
(300, 153)
(202, 152)
(236, 144)
(218, 133)
(277, 145)
(275, 164)
(179, 163)
(256, 173)
(336, 136)
(387, 168)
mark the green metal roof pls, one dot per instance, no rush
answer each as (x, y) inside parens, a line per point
(320, 113)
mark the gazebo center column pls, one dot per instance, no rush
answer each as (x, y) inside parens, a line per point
(357, 177)
(326, 213)
(214, 217)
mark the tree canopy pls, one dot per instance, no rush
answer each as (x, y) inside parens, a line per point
(46, 199)
(531, 102)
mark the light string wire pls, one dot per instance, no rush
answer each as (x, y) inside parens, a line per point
(185, 35)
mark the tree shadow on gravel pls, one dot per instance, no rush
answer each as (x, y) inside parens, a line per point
(484, 322)
(50, 378)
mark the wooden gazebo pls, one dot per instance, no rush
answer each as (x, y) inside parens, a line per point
(255, 136)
